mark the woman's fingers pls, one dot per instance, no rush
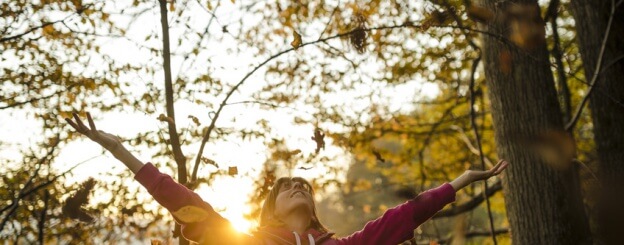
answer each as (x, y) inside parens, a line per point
(72, 124)
(91, 123)
(503, 166)
(80, 123)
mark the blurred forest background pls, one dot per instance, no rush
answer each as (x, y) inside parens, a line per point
(373, 101)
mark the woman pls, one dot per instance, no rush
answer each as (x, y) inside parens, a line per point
(288, 215)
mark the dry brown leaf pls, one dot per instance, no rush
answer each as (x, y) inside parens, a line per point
(74, 205)
(233, 170)
(297, 40)
(527, 29)
(505, 61)
(556, 148)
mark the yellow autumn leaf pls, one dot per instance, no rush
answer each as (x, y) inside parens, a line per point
(297, 40)
(48, 30)
(191, 214)
(233, 170)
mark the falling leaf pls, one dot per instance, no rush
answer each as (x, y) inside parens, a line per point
(435, 18)
(556, 148)
(156, 242)
(378, 156)
(505, 61)
(297, 40)
(233, 170)
(305, 168)
(209, 161)
(74, 205)
(480, 14)
(191, 214)
(195, 120)
(48, 30)
(164, 118)
(527, 28)
(319, 138)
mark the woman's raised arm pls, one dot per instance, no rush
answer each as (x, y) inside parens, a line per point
(199, 220)
(108, 141)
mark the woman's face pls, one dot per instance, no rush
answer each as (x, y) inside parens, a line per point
(294, 196)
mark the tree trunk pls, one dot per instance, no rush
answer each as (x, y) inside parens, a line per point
(605, 102)
(543, 203)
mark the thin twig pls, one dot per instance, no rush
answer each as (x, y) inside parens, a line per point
(174, 138)
(429, 136)
(235, 87)
(42, 217)
(471, 147)
(471, 204)
(564, 91)
(475, 64)
(570, 125)
(331, 16)
(10, 38)
(473, 122)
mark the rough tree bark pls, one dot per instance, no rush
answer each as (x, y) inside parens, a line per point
(605, 102)
(543, 203)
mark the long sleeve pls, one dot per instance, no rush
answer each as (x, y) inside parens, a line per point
(397, 225)
(174, 196)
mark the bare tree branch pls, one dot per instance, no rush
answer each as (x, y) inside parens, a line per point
(235, 87)
(17, 36)
(475, 64)
(472, 234)
(564, 91)
(173, 134)
(430, 134)
(471, 204)
(38, 98)
(331, 16)
(570, 125)
(174, 138)
(471, 147)
(42, 217)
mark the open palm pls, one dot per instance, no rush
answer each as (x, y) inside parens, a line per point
(481, 175)
(108, 141)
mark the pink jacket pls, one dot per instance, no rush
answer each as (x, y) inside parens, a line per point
(396, 225)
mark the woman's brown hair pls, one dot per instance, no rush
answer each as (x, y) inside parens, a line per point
(267, 217)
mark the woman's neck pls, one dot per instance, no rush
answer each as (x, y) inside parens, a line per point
(298, 221)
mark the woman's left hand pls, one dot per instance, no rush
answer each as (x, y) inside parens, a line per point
(475, 175)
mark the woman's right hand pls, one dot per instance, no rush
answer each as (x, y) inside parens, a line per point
(106, 140)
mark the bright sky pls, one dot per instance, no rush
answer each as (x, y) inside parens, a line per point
(228, 194)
